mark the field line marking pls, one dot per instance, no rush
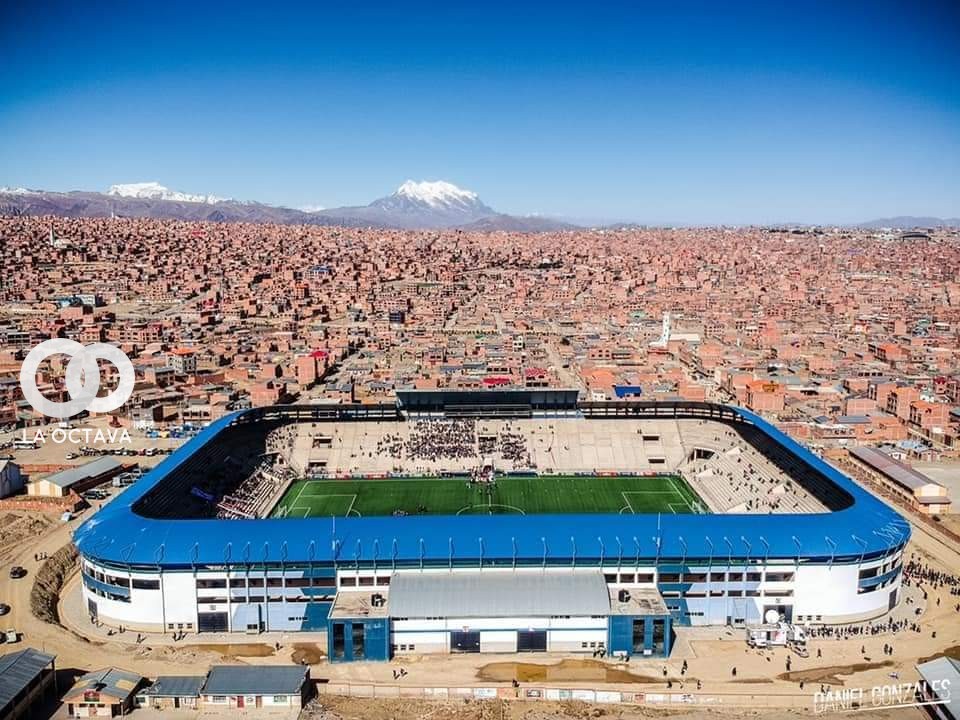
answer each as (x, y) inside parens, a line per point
(629, 505)
(299, 493)
(347, 514)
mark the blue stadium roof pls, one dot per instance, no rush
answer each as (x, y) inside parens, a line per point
(119, 535)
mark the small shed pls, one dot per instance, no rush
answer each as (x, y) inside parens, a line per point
(172, 691)
(77, 479)
(103, 693)
(266, 686)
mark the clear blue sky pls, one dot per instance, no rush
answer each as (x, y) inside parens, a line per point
(697, 112)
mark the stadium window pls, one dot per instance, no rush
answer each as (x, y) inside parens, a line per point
(298, 582)
(779, 577)
(238, 582)
(716, 593)
(695, 577)
(274, 582)
(753, 593)
(140, 584)
(628, 578)
(735, 593)
(256, 599)
(869, 573)
(645, 577)
(610, 577)
(734, 577)
(366, 581)
(657, 461)
(255, 582)
(669, 577)
(211, 583)
(383, 580)
(413, 647)
(348, 582)
(583, 645)
(325, 582)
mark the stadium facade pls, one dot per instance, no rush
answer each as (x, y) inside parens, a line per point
(385, 586)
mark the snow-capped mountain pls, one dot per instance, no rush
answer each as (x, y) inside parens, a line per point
(156, 191)
(425, 204)
(414, 205)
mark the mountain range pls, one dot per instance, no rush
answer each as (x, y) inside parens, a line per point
(414, 205)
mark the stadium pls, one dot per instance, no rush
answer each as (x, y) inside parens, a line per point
(490, 521)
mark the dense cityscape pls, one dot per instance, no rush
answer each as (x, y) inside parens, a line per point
(515, 361)
(839, 335)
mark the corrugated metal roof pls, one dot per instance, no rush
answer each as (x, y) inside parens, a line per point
(894, 469)
(110, 681)
(66, 478)
(498, 594)
(175, 686)
(17, 669)
(255, 680)
(935, 672)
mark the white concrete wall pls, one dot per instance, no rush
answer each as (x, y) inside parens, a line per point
(493, 641)
(572, 640)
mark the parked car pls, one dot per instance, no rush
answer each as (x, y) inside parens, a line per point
(17, 572)
(4, 608)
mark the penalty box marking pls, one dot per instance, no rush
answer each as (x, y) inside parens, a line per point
(309, 506)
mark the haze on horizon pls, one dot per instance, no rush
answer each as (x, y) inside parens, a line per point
(750, 114)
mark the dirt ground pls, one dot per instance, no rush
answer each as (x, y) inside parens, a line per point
(339, 708)
(710, 653)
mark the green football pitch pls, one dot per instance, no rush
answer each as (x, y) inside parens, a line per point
(530, 495)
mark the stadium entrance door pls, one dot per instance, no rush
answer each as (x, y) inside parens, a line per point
(212, 622)
(464, 642)
(531, 641)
